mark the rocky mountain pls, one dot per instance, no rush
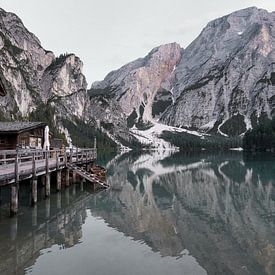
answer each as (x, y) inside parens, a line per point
(36, 85)
(227, 74)
(135, 85)
(223, 82)
(33, 76)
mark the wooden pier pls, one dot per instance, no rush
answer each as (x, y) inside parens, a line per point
(19, 165)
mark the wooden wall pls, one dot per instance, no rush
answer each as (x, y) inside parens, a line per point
(27, 139)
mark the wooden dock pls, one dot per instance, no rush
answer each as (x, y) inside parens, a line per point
(19, 165)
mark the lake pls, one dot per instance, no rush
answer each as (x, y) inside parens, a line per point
(166, 213)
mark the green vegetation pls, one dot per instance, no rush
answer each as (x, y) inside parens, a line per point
(58, 61)
(131, 119)
(261, 138)
(2, 116)
(141, 125)
(234, 126)
(83, 134)
(162, 101)
(107, 126)
(190, 142)
(133, 143)
(45, 113)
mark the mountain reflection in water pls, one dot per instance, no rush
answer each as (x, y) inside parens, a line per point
(165, 213)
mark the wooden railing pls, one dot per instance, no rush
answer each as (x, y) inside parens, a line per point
(31, 162)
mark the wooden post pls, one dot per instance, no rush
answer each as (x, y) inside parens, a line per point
(13, 228)
(16, 168)
(65, 157)
(71, 155)
(58, 173)
(48, 177)
(58, 180)
(86, 157)
(57, 160)
(74, 190)
(76, 154)
(58, 200)
(82, 156)
(67, 177)
(43, 180)
(67, 196)
(74, 176)
(15, 187)
(94, 142)
(34, 182)
(14, 199)
(34, 215)
(48, 207)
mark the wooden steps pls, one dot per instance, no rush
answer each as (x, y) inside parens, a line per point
(88, 176)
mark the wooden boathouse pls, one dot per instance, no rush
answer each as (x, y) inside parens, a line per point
(21, 134)
(22, 158)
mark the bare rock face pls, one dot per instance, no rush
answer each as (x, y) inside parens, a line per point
(65, 87)
(223, 81)
(135, 85)
(22, 62)
(35, 81)
(227, 74)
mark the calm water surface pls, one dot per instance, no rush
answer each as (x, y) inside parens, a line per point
(165, 214)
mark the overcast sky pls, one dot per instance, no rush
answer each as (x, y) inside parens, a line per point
(106, 34)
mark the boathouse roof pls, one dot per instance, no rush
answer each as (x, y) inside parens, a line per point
(19, 126)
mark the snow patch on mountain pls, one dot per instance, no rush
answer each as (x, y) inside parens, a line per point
(151, 136)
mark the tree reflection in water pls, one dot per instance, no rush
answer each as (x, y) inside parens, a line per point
(218, 208)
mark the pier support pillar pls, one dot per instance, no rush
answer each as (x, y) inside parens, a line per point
(67, 196)
(13, 228)
(58, 200)
(58, 180)
(43, 180)
(14, 199)
(74, 176)
(67, 177)
(48, 185)
(48, 208)
(74, 190)
(81, 186)
(34, 191)
(34, 215)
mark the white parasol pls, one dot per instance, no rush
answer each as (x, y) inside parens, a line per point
(46, 145)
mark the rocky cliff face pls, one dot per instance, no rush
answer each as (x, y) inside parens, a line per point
(227, 73)
(223, 81)
(38, 85)
(136, 85)
(22, 63)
